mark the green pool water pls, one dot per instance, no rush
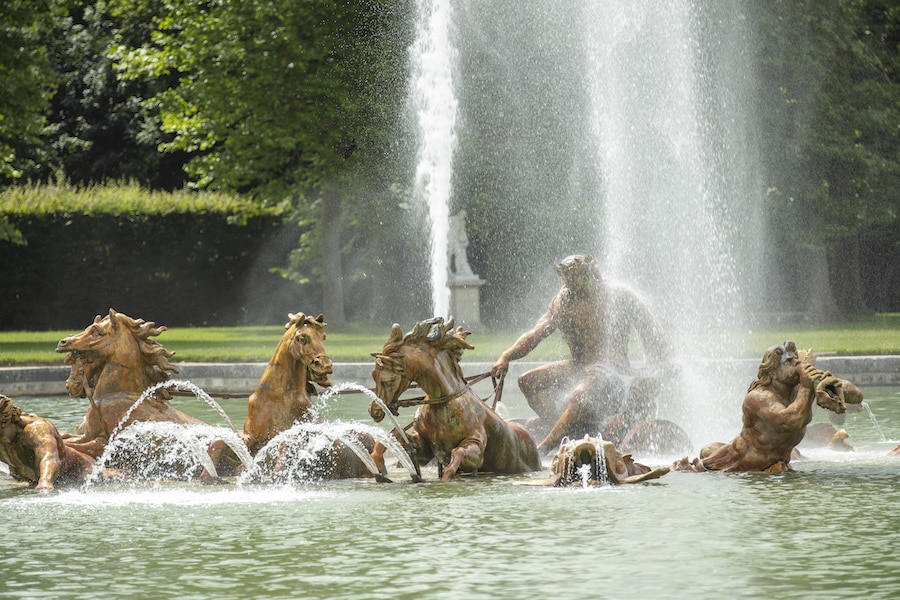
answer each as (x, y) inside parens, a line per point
(827, 530)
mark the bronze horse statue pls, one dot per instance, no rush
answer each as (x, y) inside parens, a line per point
(281, 399)
(452, 424)
(113, 361)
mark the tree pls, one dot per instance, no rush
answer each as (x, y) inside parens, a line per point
(98, 127)
(27, 85)
(26, 77)
(830, 105)
(279, 99)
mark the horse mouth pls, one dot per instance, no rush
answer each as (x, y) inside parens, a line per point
(319, 373)
(70, 345)
(74, 352)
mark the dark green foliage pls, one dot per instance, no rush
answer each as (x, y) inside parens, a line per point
(284, 99)
(829, 91)
(99, 127)
(182, 259)
(26, 82)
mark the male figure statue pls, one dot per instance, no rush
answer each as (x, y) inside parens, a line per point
(777, 408)
(34, 449)
(596, 319)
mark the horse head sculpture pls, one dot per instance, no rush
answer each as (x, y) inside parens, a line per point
(115, 354)
(282, 395)
(305, 336)
(281, 400)
(114, 360)
(431, 346)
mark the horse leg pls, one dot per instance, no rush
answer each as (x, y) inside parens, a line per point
(215, 453)
(377, 455)
(469, 455)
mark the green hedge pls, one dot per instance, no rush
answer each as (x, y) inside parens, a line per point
(183, 258)
(127, 200)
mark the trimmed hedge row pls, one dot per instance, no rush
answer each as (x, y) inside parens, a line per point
(178, 259)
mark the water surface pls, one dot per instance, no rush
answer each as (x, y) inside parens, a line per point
(824, 531)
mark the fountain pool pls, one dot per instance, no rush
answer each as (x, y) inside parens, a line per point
(825, 531)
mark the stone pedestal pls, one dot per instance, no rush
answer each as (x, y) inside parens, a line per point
(465, 301)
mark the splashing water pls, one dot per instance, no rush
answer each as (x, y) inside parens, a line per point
(671, 130)
(184, 386)
(344, 387)
(166, 450)
(595, 470)
(875, 425)
(602, 473)
(185, 446)
(388, 440)
(303, 452)
(162, 450)
(585, 472)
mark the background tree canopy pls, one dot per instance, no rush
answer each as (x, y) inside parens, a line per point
(304, 105)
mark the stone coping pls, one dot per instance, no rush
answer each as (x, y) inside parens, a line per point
(243, 377)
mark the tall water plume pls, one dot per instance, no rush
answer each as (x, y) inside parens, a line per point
(623, 130)
(673, 154)
(670, 114)
(435, 105)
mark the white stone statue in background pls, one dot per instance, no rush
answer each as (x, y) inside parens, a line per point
(457, 243)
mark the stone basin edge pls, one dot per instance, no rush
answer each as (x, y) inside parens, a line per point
(241, 378)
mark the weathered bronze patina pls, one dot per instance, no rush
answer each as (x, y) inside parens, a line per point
(590, 461)
(34, 450)
(776, 411)
(281, 399)
(113, 361)
(597, 390)
(452, 424)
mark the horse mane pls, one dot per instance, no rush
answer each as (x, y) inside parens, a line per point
(154, 357)
(301, 319)
(435, 333)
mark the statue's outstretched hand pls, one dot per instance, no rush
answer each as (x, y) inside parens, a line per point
(500, 367)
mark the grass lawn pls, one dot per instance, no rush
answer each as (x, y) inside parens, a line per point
(879, 334)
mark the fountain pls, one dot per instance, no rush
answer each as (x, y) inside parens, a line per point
(592, 461)
(679, 195)
(162, 451)
(402, 453)
(435, 107)
(296, 454)
(875, 424)
(483, 536)
(465, 300)
(624, 133)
